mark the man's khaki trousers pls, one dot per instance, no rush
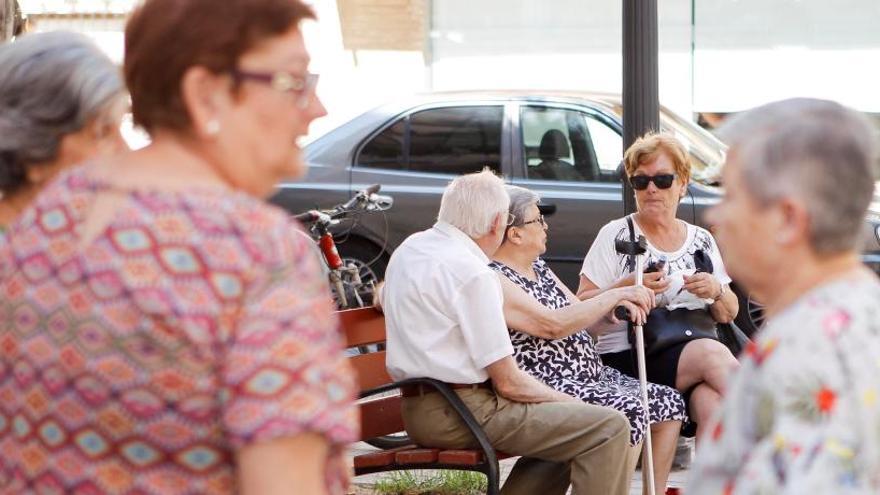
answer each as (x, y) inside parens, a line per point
(562, 443)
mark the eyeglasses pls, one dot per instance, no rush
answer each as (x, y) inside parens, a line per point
(540, 220)
(283, 82)
(662, 181)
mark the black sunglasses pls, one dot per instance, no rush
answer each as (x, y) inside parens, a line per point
(662, 181)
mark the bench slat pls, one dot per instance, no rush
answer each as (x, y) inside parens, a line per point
(371, 371)
(380, 416)
(417, 456)
(460, 457)
(378, 459)
(362, 326)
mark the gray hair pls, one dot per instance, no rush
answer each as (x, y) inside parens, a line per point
(815, 150)
(472, 202)
(51, 84)
(520, 200)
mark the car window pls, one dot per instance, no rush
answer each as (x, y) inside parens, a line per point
(456, 140)
(608, 145)
(386, 149)
(449, 140)
(569, 145)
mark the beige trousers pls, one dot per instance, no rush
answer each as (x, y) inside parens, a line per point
(562, 443)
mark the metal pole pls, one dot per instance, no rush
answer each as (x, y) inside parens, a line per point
(7, 19)
(641, 114)
(640, 78)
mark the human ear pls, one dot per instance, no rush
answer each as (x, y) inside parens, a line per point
(514, 235)
(205, 96)
(792, 222)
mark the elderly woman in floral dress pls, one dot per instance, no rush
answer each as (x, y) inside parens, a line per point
(802, 414)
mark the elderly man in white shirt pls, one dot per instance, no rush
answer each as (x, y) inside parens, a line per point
(443, 309)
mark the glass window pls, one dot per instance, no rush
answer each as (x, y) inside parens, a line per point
(558, 144)
(536, 122)
(608, 145)
(456, 140)
(386, 149)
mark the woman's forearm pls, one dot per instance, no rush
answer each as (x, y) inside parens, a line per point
(585, 314)
(525, 314)
(725, 309)
(587, 291)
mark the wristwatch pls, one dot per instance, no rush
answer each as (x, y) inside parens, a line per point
(720, 295)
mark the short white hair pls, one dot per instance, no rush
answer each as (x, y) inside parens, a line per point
(818, 151)
(472, 202)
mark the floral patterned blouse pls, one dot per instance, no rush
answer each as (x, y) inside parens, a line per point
(802, 415)
(140, 360)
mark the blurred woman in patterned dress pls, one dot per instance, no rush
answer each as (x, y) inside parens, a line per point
(164, 329)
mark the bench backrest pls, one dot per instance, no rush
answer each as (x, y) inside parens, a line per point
(363, 327)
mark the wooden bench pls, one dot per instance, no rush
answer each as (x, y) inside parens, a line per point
(381, 415)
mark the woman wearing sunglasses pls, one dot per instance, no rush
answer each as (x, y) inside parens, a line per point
(659, 171)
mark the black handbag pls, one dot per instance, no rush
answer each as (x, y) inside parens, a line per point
(665, 328)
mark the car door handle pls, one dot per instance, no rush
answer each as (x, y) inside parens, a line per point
(547, 208)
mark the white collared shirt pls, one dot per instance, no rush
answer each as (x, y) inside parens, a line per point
(443, 309)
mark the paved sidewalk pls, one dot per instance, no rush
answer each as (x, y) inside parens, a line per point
(363, 484)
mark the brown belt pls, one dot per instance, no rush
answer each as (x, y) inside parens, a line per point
(419, 389)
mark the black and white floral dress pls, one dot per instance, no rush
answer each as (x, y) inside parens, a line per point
(572, 365)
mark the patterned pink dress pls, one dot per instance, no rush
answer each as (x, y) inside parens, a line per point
(139, 361)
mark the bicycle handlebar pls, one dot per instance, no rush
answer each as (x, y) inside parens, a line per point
(362, 196)
(364, 200)
(307, 217)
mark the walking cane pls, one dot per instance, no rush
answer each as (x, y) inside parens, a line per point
(636, 250)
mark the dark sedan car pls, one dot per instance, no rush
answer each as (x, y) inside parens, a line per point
(566, 146)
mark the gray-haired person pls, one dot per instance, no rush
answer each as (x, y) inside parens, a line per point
(803, 413)
(61, 103)
(444, 316)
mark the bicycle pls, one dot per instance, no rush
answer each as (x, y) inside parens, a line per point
(349, 290)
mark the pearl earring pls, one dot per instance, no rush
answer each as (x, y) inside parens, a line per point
(212, 127)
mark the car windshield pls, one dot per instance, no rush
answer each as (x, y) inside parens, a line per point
(706, 150)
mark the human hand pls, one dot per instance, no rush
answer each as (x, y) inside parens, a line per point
(655, 281)
(703, 285)
(636, 313)
(377, 296)
(638, 296)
